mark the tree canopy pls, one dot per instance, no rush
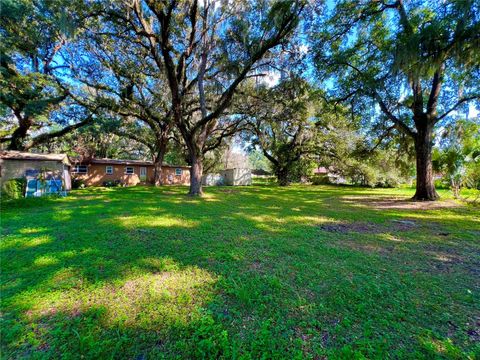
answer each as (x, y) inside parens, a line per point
(280, 121)
(34, 97)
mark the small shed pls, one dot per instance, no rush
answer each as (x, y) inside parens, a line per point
(237, 176)
(213, 179)
(17, 164)
(230, 177)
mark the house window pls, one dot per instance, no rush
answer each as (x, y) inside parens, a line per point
(109, 170)
(80, 169)
(129, 170)
(178, 172)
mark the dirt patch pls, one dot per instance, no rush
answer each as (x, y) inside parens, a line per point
(473, 331)
(402, 225)
(344, 228)
(370, 248)
(446, 254)
(446, 263)
(255, 266)
(397, 203)
(371, 228)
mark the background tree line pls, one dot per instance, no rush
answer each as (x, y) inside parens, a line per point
(374, 91)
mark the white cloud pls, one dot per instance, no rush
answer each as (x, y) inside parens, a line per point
(272, 78)
(473, 112)
(304, 49)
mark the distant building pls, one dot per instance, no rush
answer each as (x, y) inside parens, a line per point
(329, 175)
(320, 171)
(231, 177)
(237, 176)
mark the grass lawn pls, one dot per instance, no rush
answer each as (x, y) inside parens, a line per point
(253, 272)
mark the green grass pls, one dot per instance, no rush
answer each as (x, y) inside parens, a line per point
(253, 272)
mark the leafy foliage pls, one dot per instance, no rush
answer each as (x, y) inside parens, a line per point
(458, 158)
(14, 188)
(34, 39)
(281, 122)
(258, 161)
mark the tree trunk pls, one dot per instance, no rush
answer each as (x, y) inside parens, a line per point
(196, 173)
(17, 141)
(196, 170)
(425, 188)
(282, 177)
(455, 185)
(157, 165)
(157, 173)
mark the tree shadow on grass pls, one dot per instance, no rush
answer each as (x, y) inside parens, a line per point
(149, 273)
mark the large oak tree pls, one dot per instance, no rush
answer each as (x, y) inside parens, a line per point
(206, 49)
(281, 122)
(410, 65)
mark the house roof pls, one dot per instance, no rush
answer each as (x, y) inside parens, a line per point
(119, 162)
(20, 155)
(320, 170)
(127, 162)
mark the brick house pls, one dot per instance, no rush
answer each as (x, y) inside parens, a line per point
(95, 172)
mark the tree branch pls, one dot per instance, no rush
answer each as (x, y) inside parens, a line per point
(435, 91)
(401, 125)
(458, 103)
(49, 136)
(227, 95)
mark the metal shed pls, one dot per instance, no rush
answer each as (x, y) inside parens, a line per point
(237, 176)
(231, 177)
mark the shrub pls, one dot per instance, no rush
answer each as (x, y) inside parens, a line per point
(472, 176)
(441, 183)
(210, 339)
(14, 188)
(373, 175)
(112, 183)
(362, 175)
(77, 183)
(320, 180)
(388, 180)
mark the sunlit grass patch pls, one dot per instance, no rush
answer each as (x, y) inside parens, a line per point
(45, 260)
(12, 241)
(441, 348)
(155, 222)
(156, 265)
(32, 230)
(151, 301)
